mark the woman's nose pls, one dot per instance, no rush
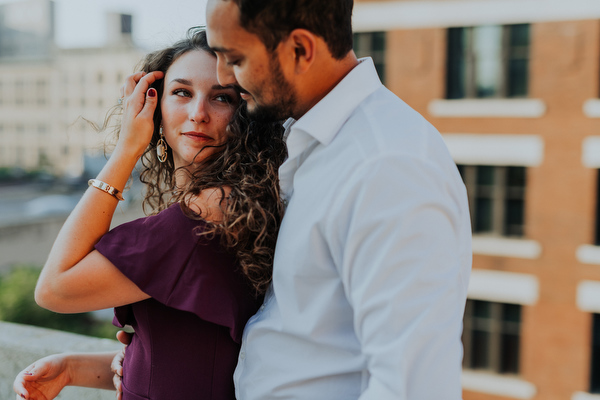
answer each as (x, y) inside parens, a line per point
(199, 110)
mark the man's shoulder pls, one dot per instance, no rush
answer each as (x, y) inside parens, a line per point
(385, 121)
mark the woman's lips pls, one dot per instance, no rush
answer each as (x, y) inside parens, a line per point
(199, 136)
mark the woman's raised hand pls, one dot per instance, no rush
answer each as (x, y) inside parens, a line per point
(42, 380)
(139, 102)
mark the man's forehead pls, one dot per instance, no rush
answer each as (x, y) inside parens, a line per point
(222, 18)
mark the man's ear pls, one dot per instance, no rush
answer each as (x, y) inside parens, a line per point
(303, 45)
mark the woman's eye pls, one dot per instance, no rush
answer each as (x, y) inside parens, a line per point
(224, 98)
(181, 92)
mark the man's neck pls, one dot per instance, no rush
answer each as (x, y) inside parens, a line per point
(325, 76)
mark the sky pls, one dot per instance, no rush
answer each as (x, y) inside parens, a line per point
(156, 23)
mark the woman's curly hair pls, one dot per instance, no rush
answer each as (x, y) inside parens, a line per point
(244, 169)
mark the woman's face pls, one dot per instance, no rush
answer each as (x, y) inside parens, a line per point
(195, 108)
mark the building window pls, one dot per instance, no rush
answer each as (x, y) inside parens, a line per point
(487, 61)
(42, 92)
(496, 199)
(126, 26)
(19, 92)
(595, 367)
(491, 336)
(597, 238)
(20, 156)
(372, 44)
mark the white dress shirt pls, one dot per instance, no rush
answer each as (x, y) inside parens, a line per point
(372, 261)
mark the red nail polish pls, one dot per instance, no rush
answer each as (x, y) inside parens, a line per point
(152, 92)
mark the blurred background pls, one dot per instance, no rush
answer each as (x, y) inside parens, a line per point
(513, 86)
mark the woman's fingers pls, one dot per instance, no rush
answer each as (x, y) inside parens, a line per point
(135, 97)
(130, 83)
(144, 82)
(18, 384)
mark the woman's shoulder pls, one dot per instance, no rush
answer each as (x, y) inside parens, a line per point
(209, 204)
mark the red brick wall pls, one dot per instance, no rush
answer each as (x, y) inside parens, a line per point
(561, 192)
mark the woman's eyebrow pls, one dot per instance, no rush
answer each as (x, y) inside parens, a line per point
(182, 81)
(219, 87)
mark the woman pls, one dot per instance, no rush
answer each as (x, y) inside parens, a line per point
(193, 273)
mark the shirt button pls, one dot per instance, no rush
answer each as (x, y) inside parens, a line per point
(242, 355)
(262, 307)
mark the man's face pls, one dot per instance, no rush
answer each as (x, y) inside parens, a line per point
(243, 60)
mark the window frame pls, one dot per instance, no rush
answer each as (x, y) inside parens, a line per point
(497, 327)
(461, 61)
(499, 194)
(364, 45)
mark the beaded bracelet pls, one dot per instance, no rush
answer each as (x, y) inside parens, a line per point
(105, 187)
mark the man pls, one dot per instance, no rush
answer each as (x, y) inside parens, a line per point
(373, 256)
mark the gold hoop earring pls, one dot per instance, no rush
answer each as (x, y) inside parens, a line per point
(161, 147)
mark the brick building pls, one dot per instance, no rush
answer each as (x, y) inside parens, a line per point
(514, 88)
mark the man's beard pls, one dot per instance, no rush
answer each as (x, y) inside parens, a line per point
(282, 91)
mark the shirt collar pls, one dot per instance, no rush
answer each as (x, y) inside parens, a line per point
(325, 119)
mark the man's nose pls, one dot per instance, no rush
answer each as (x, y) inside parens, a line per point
(225, 74)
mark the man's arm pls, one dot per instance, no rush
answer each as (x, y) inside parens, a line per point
(405, 271)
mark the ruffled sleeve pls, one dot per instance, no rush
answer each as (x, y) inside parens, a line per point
(167, 259)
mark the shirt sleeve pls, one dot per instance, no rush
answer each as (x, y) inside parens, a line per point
(405, 232)
(168, 260)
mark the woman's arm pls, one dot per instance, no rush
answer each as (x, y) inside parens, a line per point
(76, 278)
(45, 378)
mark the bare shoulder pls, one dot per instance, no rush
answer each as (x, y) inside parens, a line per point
(210, 203)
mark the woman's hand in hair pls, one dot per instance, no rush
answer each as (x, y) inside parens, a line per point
(139, 103)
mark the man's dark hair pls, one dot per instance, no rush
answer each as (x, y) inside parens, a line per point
(273, 20)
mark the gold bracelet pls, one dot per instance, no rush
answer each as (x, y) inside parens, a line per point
(105, 187)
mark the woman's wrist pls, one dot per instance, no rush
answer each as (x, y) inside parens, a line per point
(127, 152)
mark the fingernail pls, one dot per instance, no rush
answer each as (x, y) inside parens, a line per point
(28, 373)
(151, 92)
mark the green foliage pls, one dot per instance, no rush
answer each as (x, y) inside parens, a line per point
(17, 304)
(13, 175)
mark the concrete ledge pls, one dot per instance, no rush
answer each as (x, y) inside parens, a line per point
(503, 287)
(20, 345)
(589, 152)
(588, 296)
(588, 254)
(487, 108)
(495, 149)
(506, 247)
(391, 15)
(585, 396)
(498, 385)
(591, 108)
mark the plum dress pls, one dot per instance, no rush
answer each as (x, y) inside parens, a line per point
(188, 334)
